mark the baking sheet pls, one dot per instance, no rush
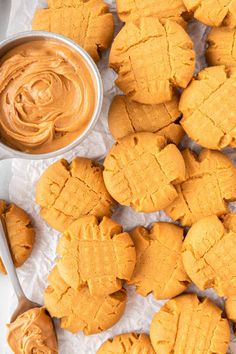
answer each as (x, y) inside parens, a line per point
(33, 274)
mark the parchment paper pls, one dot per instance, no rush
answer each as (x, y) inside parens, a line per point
(33, 274)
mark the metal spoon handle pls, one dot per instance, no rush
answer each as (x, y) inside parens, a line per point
(8, 263)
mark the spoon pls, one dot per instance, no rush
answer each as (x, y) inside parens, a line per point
(24, 304)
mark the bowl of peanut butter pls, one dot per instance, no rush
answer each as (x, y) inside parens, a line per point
(50, 95)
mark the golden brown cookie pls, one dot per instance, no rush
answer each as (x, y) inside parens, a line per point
(187, 325)
(230, 308)
(209, 254)
(142, 171)
(79, 310)
(162, 9)
(151, 59)
(58, 4)
(221, 46)
(159, 268)
(99, 255)
(128, 343)
(87, 22)
(66, 192)
(127, 116)
(210, 183)
(213, 12)
(208, 107)
(19, 232)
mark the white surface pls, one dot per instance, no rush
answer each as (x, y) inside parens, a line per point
(5, 291)
(33, 274)
(5, 287)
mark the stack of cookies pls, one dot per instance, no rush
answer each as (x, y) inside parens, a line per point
(95, 256)
(154, 59)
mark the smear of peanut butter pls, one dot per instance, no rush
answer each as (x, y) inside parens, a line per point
(32, 332)
(47, 96)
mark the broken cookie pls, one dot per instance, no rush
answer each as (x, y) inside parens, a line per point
(19, 232)
(78, 310)
(210, 183)
(87, 22)
(151, 59)
(142, 171)
(66, 192)
(163, 242)
(97, 254)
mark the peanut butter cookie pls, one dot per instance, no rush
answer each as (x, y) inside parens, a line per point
(209, 253)
(162, 9)
(187, 325)
(19, 232)
(210, 183)
(230, 308)
(221, 46)
(208, 107)
(163, 242)
(142, 171)
(99, 255)
(78, 310)
(127, 116)
(213, 12)
(151, 59)
(87, 22)
(129, 343)
(66, 192)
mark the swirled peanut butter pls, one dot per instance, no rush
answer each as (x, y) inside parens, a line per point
(47, 96)
(32, 332)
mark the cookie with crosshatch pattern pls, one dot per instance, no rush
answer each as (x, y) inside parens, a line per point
(87, 22)
(162, 9)
(221, 46)
(142, 171)
(208, 107)
(127, 116)
(209, 254)
(128, 343)
(186, 325)
(213, 12)
(209, 185)
(151, 59)
(230, 308)
(19, 231)
(67, 191)
(78, 310)
(159, 249)
(97, 254)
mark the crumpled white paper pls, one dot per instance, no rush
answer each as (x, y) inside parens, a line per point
(33, 274)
